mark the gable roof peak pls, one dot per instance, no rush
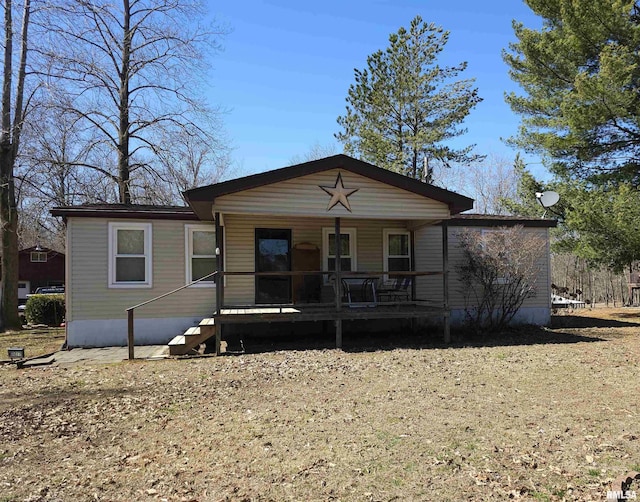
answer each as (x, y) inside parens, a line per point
(196, 196)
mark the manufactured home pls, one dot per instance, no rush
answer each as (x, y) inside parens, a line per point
(263, 248)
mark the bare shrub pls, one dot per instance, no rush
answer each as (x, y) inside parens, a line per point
(499, 271)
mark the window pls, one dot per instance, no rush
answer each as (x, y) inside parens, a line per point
(200, 246)
(397, 250)
(38, 256)
(129, 255)
(347, 250)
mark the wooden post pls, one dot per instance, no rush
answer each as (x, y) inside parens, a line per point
(414, 279)
(338, 247)
(219, 279)
(338, 267)
(412, 267)
(445, 281)
(130, 338)
(218, 337)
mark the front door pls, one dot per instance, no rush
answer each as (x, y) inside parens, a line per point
(273, 254)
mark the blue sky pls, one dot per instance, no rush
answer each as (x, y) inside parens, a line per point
(286, 67)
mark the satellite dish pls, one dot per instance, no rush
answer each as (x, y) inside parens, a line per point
(547, 199)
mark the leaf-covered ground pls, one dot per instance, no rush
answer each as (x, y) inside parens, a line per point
(35, 341)
(540, 415)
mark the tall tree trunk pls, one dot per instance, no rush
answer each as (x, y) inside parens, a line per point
(9, 143)
(123, 132)
(414, 164)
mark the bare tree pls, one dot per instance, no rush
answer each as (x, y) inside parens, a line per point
(51, 172)
(190, 162)
(498, 272)
(14, 108)
(488, 182)
(315, 152)
(131, 70)
(574, 277)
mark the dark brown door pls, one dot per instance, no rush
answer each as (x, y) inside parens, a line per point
(273, 254)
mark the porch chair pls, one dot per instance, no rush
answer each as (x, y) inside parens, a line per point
(399, 289)
(346, 290)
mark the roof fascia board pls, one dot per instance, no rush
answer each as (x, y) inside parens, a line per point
(456, 202)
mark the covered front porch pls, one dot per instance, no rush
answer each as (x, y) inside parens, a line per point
(327, 282)
(330, 240)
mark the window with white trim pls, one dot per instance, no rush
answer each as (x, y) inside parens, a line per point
(38, 256)
(200, 252)
(348, 257)
(397, 250)
(130, 255)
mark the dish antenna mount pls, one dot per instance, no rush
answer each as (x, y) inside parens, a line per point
(547, 199)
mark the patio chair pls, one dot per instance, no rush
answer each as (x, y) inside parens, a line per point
(396, 290)
(403, 293)
(346, 290)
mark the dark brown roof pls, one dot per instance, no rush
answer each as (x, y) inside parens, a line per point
(498, 220)
(201, 199)
(138, 211)
(40, 248)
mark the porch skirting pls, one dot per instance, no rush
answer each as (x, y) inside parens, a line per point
(113, 332)
(539, 316)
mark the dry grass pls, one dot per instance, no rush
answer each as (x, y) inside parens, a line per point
(36, 342)
(539, 415)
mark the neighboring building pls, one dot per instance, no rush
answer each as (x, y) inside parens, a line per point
(273, 237)
(39, 267)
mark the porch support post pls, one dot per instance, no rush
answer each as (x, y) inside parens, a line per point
(130, 339)
(338, 242)
(412, 266)
(218, 328)
(414, 279)
(219, 280)
(445, 281)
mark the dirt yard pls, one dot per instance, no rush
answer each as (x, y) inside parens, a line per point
(35, 341)
(535, 415)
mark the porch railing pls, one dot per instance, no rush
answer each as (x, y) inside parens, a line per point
(338, 276)
(130, 310)
(336, 303)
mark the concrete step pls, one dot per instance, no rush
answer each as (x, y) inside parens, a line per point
(192, 337)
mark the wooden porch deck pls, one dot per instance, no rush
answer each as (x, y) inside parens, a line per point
(311, 312)
(328, 312)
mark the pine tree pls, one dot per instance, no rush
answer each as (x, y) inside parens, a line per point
(580, 74)
(404, 107)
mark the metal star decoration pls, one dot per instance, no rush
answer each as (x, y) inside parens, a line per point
(339, 194)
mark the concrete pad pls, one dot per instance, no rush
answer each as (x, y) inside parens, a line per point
(102, 355)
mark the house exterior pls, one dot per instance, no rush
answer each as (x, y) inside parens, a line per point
(271, 237)
(39, 267)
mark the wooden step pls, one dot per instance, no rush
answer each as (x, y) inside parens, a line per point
(178, 340)
(192, 337)
(208, 326)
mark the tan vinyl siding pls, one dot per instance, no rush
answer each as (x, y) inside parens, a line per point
(303, 196)
(88, 270)
(428, 251)
(428, 257)
(240, 246)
